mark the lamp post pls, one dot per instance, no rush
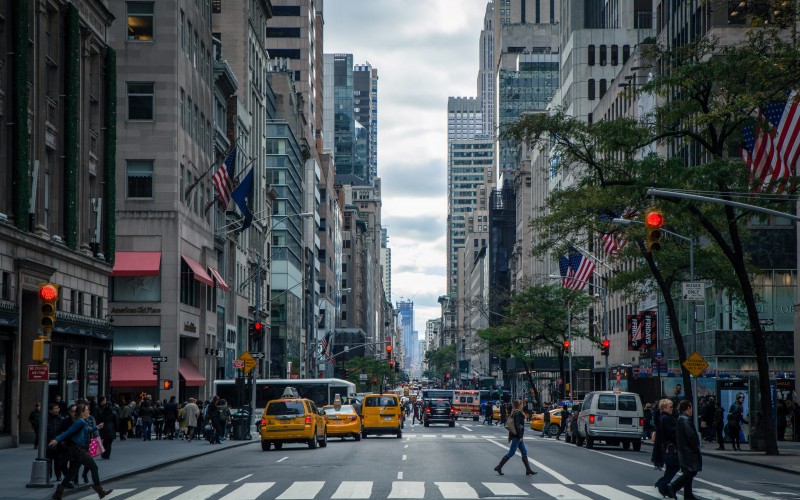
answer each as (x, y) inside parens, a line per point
(627, 222)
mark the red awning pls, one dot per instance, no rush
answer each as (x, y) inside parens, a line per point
(200, 274)
(132, 371)
(220, 282)
(190, 374)
(137, 264)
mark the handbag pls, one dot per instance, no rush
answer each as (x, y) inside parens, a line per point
(512, 428)
(96, 447)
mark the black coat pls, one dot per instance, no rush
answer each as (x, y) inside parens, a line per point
(519, 424)
(665, 436)
(688, 444)
(110, 422)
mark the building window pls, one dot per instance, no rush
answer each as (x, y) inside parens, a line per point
(140, 101)
(603, 87)
(626, 53)
(614, 55)
(591, 89)
(189, 286)
(140, 21)
(591, 55)
(140, 178)
(603, 55)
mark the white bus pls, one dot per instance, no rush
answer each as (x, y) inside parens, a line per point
(321, 391)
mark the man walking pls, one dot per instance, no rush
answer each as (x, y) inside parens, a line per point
(170, 417)
(688, 452)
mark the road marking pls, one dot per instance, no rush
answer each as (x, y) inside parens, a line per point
(282, 459)
(407, 489)
(540, 465)
(609, 492)
(242, 478)
(456, 490)
(406, 446)
(404, 457)
(399, 474)
(248, 491)
(504, 489)
(153, 493)
(651, 491)
(468, 428)
(118, 492)
(560, 491)
(746, 494)
(202, 492)
(302, 490)
(354, 489)
(710, 495)
(449, 436)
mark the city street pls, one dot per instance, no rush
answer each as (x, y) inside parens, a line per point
(434, 462)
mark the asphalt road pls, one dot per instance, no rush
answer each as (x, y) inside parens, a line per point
(437, 462)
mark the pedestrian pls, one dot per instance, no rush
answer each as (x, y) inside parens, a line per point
(147, 414)
(735, 420)
(190, 414)
(688, 452)
(158, 420)
(545, 427)
(503, 413)
(110, 421)
(665, 446)
(213, 417)
(563, 424)
(77, 437)
(61, 461)
(170, 417)
(515, 438)
(124, 416)
(647, 430)
(33, 417)
(719, 426)
(53, 430)
(224, 418)
(487, 413)
(92, 421)
(62, 405)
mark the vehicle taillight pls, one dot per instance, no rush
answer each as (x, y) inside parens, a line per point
(452, 410)
(263, 422)
(591, 419)
(353, 418)
(427, 410)
(308, 420)
(641, 421)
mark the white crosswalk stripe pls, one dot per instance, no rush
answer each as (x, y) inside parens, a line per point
(650, 491)
(608, 492)
(709, 495)
(302, 490)
(154, 493)
(456, 490)
(201, 492)
(407, 489)
(354, 489)
(248, 491)
(118, 492)
(505, 489)
(557, 490)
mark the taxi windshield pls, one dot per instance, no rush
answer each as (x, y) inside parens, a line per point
(380, 401)
(344, 409)
(286, 408)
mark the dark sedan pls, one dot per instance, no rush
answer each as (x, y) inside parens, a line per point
(439, 412)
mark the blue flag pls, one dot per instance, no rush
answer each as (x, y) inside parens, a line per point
(243, 195)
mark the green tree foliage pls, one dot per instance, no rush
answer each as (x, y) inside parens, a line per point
(375, 369)
(705, 93)
(441, 361)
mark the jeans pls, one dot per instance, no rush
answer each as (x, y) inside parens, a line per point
(685, 482)
(517, 442)
(671, 467)
(147, 427)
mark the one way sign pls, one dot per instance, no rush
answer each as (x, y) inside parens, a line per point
(694, 291)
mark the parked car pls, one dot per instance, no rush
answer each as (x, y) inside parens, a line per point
(537, 421)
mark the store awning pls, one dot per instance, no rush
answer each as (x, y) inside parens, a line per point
(220, 282)
(137, 264)
(132, 371)
(190, 374)
(200, 274)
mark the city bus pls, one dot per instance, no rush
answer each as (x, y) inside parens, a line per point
(321, 391)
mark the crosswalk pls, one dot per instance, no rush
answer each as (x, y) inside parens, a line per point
(318, 490)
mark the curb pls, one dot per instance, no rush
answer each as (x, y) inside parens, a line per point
(742, 460)
(122, 475)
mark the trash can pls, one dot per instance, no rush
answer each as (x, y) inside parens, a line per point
(241, 425)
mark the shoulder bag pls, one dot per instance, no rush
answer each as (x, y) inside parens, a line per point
(510, 425)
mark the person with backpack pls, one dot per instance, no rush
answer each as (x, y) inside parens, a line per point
(515, 436)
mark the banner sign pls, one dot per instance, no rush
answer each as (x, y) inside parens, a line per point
(643, 331)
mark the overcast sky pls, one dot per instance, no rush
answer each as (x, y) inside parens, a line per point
(424, 51)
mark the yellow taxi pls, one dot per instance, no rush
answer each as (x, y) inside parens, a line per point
(292, 419)
(342, 420)
(537, 421)
(380, 414)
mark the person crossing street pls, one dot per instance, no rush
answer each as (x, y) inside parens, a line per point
(515, 437)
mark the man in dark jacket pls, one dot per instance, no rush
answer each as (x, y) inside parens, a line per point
(719, 426)
(688, 452)
(108, 416)
(53, 430)
(170, 417)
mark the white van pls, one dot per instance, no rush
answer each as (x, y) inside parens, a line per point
(613, 417)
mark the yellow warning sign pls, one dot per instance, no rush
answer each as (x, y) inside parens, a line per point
(695, 364)
(249, 362)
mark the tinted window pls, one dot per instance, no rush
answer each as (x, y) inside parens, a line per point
(627, 403)
(380, 401)
(607, 402)
(439, 404)
(343, 410)
(286, 408)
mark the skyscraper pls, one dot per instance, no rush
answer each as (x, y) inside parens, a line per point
(365, 103)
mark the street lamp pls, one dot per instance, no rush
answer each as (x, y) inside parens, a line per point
(627, 222)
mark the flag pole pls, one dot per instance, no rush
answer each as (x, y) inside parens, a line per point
(224, 155)
(216, 194)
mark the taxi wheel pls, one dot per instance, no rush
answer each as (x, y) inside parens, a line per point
(265, 445)
(552, 429)
(364, 435)
(357, 436)
(399, 434)
(313, 443)
(324, 442)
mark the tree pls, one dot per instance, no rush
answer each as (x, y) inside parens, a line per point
(536, 321)
(441, 361)
(374, 368)
(707, 93)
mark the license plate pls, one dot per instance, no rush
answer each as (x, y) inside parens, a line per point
(387, 418)
(625, 421)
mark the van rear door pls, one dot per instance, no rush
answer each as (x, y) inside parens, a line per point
(628, 412)
(606, 416)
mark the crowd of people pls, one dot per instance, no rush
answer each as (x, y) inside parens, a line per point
(71, 428)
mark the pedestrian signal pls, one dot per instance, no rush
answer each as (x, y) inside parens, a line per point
(653, 221)
(166, 384)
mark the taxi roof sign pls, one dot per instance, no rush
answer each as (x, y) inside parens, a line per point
(290, 392)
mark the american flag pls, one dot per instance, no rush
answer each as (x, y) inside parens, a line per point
(772, 146)
(614, 241)
(325, 347)
(222, 179)
(582, 268)
(566, 272)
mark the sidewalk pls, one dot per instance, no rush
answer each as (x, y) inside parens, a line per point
(787, 461)
(128, 457)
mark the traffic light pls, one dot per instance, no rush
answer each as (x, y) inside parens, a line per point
(566, 345)
(391, 364)
(389, 351)
(41, 350)
(256, 329)
(653, 221)
(397, 367)
(48, 296)
(604, 345)
(166, 384)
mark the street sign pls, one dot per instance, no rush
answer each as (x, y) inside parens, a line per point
(238, 363)
(659, 354)
(158, 359)
(362, 377)
(249, 362)
(693, 291)
(38, 373)
(695, 364)
(257, 355)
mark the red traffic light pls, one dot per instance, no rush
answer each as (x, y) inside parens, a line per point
(48, 292)
(388, 348)
(566, 344)
(257, 326)
(654, 218)
(605, 343)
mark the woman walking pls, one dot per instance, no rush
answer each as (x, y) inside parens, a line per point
(78, 450)
(665, 446)
(516, 440)
(688, 452)
(735, 420)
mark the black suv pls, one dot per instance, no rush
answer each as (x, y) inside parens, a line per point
(439, 412)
